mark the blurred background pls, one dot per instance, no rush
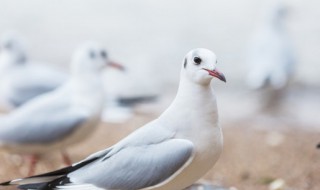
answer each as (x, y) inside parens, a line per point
(263, 145)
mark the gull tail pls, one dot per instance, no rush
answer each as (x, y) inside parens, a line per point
(49, 185)
(47, 181)
(37, 183)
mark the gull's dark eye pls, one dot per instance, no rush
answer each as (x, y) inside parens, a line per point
(197, 60)
(92, 55)
(103, 54)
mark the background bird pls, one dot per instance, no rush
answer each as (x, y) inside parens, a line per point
(119, 109)
(270, 55)
(124, 99)
(63, 117)
(169, 153)
(22, 79)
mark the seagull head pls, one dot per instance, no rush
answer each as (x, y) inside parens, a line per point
(276, 13)
(12, 45)
(200, 66)
(92, 57)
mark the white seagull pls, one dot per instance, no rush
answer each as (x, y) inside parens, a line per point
(270, 57)
(20, 78)
(169, 153)
(63, 117)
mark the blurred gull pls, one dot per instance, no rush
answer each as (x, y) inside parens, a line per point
(21, 79)
(62, 117)
(270, 55)
(126, 94)
(119, 109)
(169, 153)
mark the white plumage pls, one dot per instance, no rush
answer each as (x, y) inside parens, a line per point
(20, 78)
(63, 117)
(270, 57)
(169, 153)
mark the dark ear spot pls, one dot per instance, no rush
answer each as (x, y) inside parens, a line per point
(185, 63)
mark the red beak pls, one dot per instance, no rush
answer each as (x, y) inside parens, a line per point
(217, 74)
(116, 65)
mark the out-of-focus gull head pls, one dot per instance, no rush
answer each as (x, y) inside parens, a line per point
(277, 13)
(91, 57)
(200, 66)
(12, 44)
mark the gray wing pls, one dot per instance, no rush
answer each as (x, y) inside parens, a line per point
(135, 167)
(41, 126)
(23, 92)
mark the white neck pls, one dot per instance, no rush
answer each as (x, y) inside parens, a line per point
(193, 103)
(88, 91)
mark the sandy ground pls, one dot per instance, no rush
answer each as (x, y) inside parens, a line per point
(252, 157)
